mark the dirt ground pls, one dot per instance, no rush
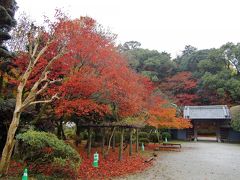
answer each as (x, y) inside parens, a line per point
(196, 161)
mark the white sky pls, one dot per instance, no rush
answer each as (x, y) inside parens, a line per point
(164, 25)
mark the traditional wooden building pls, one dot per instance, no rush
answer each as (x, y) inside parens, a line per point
(209, 123)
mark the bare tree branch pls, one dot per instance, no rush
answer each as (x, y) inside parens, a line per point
(44, 87)
(45, 101)
(35, 49)
(43, 76)
(43, 50)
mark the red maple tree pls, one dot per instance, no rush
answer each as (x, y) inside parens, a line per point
(181, 87)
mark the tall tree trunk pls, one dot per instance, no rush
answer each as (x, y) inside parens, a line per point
(8, 148)
(130, 142)
(10, 141)
(121, 145)
(137, 143)
(23, 102)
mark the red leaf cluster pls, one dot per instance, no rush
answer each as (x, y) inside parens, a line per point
(96, 80)
(181, 87)
(16, 168)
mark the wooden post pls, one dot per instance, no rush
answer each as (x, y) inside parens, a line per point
(158, 136)
(103, 141)
(121, 145)
(137, 143)
(89, 142)
(195, 130)
(130, 142)
(113, 142)
(77, 140)
(218, 131)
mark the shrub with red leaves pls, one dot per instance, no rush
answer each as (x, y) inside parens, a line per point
(15, 168)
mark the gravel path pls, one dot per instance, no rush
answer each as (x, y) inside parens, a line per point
(196, 161)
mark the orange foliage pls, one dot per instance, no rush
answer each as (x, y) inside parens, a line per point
(95, 77)
(161, 116)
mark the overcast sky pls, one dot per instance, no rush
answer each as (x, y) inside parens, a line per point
(164, 25)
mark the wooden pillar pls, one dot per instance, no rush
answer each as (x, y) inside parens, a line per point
(113, 142)
(195, 130)
(121, 145)
(89, 142)
(103, 141)
(137, 143)
(77, 140)
(218, 131)
(130, 142)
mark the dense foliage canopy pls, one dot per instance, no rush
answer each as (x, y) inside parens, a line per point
(235, 114)
(200, 77)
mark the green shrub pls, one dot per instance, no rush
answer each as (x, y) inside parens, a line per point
(143, 140)
(153, 138)
(143, 135)
(70, 133)
(235, 113)
(46, 154)
(84, 135)
(166, 135)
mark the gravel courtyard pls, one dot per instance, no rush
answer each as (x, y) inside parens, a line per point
(196, 161)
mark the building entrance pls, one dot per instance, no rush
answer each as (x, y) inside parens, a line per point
(206, 130)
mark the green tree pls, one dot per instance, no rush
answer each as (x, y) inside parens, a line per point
(7, 21)
(235, 112)
(156, 65)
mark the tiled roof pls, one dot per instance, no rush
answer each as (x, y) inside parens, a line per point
(206, 112)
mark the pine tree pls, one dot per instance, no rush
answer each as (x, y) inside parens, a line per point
(7, 21)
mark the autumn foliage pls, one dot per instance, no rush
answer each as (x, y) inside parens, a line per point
(75, 66)
(162, 115)
(93, 78)
(181, 87)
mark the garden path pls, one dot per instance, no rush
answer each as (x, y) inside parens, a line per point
(196, 161)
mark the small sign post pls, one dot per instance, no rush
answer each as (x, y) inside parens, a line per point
(25, 174)
(95, 159)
